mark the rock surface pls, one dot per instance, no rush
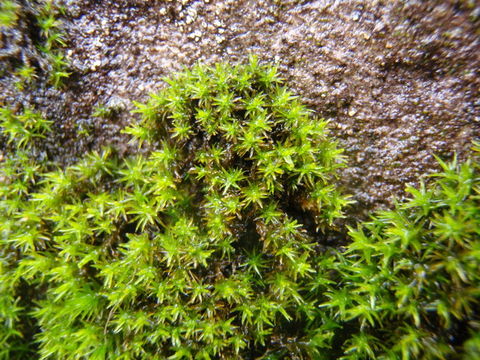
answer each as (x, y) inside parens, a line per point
(397, 79)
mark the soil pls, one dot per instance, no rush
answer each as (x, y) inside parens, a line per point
(397, 79)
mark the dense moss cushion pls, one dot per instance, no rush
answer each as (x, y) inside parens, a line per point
(210, 242)
(196, 247)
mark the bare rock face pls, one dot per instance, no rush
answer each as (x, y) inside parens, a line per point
(397, 79)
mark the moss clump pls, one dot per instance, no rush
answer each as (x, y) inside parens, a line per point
(22, 129)
(19, 175)
(206, 245)
(408, 285)
(33, 38)
(195, 250)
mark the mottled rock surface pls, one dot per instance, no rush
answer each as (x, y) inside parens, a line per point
(398, 79)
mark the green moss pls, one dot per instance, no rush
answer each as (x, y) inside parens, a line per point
(25, 75)
(408, 286)
(22, 129)
(8, 13)
(50, 39)
(103, 111)
(195, 249)
(19, 175)
(205, 245)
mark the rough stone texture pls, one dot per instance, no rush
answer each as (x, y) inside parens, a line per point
(398, 79)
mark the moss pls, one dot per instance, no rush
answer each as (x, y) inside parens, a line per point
(407, 287)
(206, 243)
(38, 24)
(193, 249)
(8, 13)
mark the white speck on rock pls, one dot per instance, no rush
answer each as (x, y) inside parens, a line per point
(96, 64)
